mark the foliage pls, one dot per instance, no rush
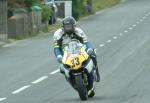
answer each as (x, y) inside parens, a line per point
(78, 8)
(22, 3)
(29, 3)
(102, 4)
(46, 12)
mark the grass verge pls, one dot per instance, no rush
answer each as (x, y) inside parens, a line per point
(102, 4)
(54, 27)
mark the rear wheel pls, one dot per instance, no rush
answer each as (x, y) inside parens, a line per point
(81, 87)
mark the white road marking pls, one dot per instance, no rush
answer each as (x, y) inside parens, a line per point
(39, 80)
(108, 41)
(120, 34)
(2, 99)
(115, 37)
(137, 22)
(141, 20)
(125, 31)
(130, 28)
(134, 25)
(146, 14)
(21, 89)
(101, 45)
(54, 72)
(144, 17)
(8, 45)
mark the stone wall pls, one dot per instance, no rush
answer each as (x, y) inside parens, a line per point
(3, 20)
(24, 23)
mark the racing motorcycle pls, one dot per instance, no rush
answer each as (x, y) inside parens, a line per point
(77, 66)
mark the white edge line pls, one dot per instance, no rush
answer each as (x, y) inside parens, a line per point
(126, 31)
(108, 41)
(115, 37)
(137, 22)
(147, 14)
(40, 79)
(1, 99)
(134, 25)
(141, 19)
(20, 89)
(54, 72)
(144, 17)
(101, 45)
(8, 45)
(121, 34)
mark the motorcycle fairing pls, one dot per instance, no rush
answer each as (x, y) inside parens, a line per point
(75, 60)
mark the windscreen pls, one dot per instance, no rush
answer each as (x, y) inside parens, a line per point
(73, 47)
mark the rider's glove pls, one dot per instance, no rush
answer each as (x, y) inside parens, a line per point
(91, 52)
(59, 58)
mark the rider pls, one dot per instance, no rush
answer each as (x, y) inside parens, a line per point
(65, 34)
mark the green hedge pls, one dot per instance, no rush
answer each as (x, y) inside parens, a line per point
(78, 8)
(102, 4)
(29, 3)
(46, 12)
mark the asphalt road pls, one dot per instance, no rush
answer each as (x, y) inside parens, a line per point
(29, 72)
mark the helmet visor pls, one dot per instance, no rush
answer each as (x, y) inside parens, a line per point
(68, 28)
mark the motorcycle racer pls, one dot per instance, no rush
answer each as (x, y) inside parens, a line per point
(70, 32)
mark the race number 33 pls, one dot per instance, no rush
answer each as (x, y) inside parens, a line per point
(75, 62)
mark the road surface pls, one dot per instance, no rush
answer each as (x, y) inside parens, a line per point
(121, 35)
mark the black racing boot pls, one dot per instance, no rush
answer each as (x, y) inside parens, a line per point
(91, 93)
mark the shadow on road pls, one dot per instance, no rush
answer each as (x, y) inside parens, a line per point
(77, 99)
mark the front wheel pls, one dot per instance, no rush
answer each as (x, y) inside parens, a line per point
(81, 87)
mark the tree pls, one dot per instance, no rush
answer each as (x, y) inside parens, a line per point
(22, 3)
(29, 3)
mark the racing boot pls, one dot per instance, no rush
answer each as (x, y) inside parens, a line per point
(91, 92)
(91, 84)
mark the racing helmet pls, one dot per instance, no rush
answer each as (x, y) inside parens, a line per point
(69, 24)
